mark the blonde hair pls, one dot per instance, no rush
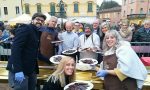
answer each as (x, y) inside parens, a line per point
(116, 35)
(59, 73)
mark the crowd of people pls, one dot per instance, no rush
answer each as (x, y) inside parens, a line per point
(33, 42)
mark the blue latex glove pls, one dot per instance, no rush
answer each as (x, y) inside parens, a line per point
(19, 76)
(101, 73)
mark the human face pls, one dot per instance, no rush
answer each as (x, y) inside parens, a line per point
(52, 23)
(69, 67)
(124, 26)
(95, 24)
(146, 25)
(38, 21)
(69, 27)
(110, 40)
(87, 31)
(104, 29)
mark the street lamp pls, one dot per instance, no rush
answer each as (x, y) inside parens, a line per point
(62, 13)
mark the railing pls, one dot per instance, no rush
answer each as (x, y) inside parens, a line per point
(141, 48)
(5, 51)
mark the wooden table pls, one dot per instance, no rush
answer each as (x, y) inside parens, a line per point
(45, 71)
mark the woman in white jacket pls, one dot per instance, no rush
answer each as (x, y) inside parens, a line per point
(121, 67)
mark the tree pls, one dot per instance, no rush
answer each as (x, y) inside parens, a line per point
(108, 4)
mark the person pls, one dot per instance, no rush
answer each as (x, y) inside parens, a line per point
(125, 32)
(143, 34)
(22, 65)
(69, 38)
(64, 74)
(120, 65)
(48, 34)
(89, 43)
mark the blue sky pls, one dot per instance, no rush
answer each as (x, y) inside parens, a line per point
(100, 1)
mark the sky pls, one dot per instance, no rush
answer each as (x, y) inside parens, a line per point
(100, 1)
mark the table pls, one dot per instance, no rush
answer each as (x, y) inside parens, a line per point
(45, 71)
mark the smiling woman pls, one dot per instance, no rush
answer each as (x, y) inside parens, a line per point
(64, 74)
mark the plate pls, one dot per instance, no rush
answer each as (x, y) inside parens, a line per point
(56, 59)
(88, 61)
(56, 41)
(84, 83)
(83, 67)
(72, 51)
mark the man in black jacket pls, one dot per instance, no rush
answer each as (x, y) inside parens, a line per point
(22, 64)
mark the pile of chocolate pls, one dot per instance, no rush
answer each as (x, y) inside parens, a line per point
(87, 61)
(57, 58)
(78, 86)
(69, 51)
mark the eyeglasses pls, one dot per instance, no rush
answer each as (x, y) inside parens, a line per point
(39, 19)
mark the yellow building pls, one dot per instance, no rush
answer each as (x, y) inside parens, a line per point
(73, 8)
(9, 9)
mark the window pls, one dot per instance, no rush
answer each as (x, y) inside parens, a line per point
(141, 11)
(124, 2)
(131, 12)
(38, 7)
(52, 8)
(0, 12)
(17, 10)
(90, 9)
(131, 1)
(5, 11)
(76, 7)
(27, 10)
(124, 13)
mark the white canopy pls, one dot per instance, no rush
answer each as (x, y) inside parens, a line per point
(89, 20)
(61, 20)
(47, 16)
(24, 18)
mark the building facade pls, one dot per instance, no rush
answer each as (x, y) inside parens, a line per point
(135, 10)
(68, 8)
(10, 9)
(112, 14)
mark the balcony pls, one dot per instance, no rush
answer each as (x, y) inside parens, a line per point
(136, 16)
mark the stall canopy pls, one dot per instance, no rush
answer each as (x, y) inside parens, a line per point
(89, 20)
(47, 16)
(24, 18)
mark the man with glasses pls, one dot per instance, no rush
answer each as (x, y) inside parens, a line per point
(22, 64)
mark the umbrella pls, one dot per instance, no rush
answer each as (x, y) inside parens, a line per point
(24, 18)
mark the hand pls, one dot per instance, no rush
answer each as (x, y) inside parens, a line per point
(19, 76)
(101, 73)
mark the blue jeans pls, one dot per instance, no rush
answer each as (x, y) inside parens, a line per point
(29, 83)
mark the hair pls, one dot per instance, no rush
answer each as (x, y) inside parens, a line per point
(116, 35)
(39, 15)
(59, 73)
(107, 25)
(88, 25)
(146, 21)
(53, 17)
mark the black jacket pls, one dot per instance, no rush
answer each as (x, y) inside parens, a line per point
(25, 50)
(52, 86)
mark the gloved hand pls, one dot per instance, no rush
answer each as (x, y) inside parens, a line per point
(101, 73)
(19, 76)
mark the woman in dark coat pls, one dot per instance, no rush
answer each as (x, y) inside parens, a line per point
(64, 74)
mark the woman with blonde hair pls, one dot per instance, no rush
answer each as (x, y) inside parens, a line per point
(64, 74)
(125, 31)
